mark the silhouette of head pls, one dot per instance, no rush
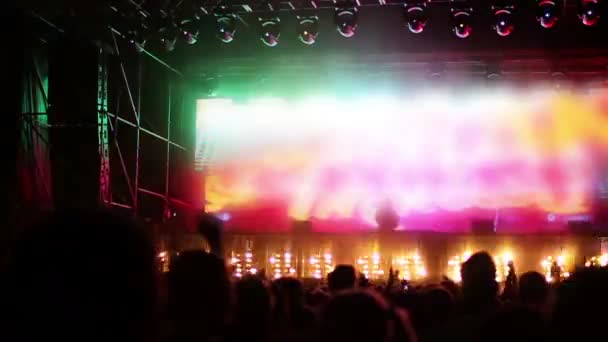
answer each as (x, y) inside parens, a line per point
(84, 275)
(533, 288)
(341, 278)
(289, 295)
(199, 290)
(439, 304)
(252, 310)
(479, 285)
(572, 320)
(355, 316)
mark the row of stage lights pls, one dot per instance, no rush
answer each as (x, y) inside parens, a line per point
(411, 267)
(548, 13)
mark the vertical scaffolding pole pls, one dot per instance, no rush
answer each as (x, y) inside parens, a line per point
(105, 193)
(168, 152)
(137, 136)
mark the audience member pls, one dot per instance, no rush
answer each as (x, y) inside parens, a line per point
(534, 291)
(292, 320)
(478, 301)
(198, 297)
(581, 303)
(436, 309)
(479, 287)
(92, 276)
(87, 276)
(252, 312)
(509, 293)
(363, 316)
(343, 277)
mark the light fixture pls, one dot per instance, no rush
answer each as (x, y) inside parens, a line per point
(270, 30)
(190, 29)
(461, 22)
(168, 36)
(415, 17)
(225, 24)
(346, 21)
(136, 37)
(589, 12)
(503, 20)
(547, 13)
(308, 29)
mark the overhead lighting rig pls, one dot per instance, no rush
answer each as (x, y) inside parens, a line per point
(415, 16)
(346, 17)
(503, 18)
(462, 21)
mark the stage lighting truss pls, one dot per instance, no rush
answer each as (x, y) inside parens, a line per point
(503, 18)
(308, 29)
(270, 30)
(371, 268)
(225, 24)
(346, 20)
(282, 265)
(415, 17)
(409, 267)
(548, 13)
(242, 263)
(589, 12)
(320, 265)
(137, 25)
(462, 25)
(454, 265)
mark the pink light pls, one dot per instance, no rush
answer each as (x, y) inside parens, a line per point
(452, 158)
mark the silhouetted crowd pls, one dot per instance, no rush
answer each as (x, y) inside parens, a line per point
(94, 277)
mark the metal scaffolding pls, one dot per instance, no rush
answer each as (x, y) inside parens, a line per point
(133, 181)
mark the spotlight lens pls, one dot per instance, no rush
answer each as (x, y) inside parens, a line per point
(308, 30)
(547, 14)
(270, 32)
(225, 28)
(168, 39)
(416, 19)
(346, 22)
(189, 30)
(590, 12)
(462, 24)
(504, 23)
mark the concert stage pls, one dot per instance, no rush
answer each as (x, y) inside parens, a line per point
(517, 171)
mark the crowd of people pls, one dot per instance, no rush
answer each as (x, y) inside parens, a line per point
(93, 277)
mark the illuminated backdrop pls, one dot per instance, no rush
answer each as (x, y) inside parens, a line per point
(518, 157)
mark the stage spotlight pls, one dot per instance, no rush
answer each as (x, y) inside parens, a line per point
(415, 18)
(136, 38)
(190, 29)
(168, 37)
(270, 31)
(547, 13)
(461, 22)
(503, 21)
(589, 12)
(346, 21)
(225, 24)
(308, 29)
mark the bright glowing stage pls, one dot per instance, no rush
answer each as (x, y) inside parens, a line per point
(528, 160)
